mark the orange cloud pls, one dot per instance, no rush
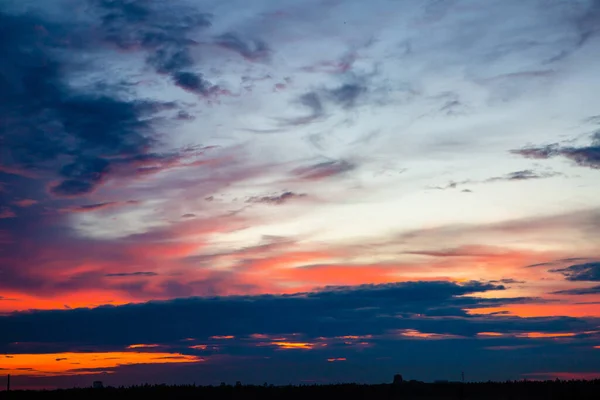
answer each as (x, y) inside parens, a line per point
(54, 364)
(142, 346)
(542, 310)
(226, 337)
(544, 335)
(413, 333)
(283, 343)
(336, 359)
(530, 335)
(294, 345)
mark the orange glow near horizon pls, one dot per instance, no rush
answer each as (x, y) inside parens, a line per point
(293, 269)
(56, 364)
(226, 337)
(76, 299)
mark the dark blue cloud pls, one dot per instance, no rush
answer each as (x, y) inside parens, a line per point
(584, 156)
(435, 307)
(161, 32)
(346, 95)
(87, 134)
(580, 291)
(375, 325)
(192, 82)
(581, 272)
(51, 126)
(252, 50)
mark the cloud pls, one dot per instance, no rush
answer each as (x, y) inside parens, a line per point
(507, 281)
(192, 82)
(6, 212)
(82, 176)
(334, 311)
(313, 102)
(95, 133)
(583, 156)
(360, 324)
(128, 274)
(324, 170)
(581, 272)
(100, 206)
(580, 291)
(523, 175)
(25, 203)
(346, 95)
(251, 50)
(162, 32)
(276, 199)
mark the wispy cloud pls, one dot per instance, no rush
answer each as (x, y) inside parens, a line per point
(276, 199)
(583, 156)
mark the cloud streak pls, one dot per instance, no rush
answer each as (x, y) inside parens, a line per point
(583, 156)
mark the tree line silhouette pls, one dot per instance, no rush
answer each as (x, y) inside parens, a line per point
(510, 390)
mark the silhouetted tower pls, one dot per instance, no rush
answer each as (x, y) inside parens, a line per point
(8, 383)
(398, 379)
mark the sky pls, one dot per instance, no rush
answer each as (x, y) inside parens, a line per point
(316, 191)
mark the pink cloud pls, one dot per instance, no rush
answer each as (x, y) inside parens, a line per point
(6, 212)
(25, 202)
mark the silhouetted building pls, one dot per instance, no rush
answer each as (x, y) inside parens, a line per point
(398, 379)
(98, 385)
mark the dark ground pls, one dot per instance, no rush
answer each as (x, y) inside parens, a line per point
(548, 390)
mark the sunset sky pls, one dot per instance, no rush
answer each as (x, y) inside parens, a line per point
(286, 191)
